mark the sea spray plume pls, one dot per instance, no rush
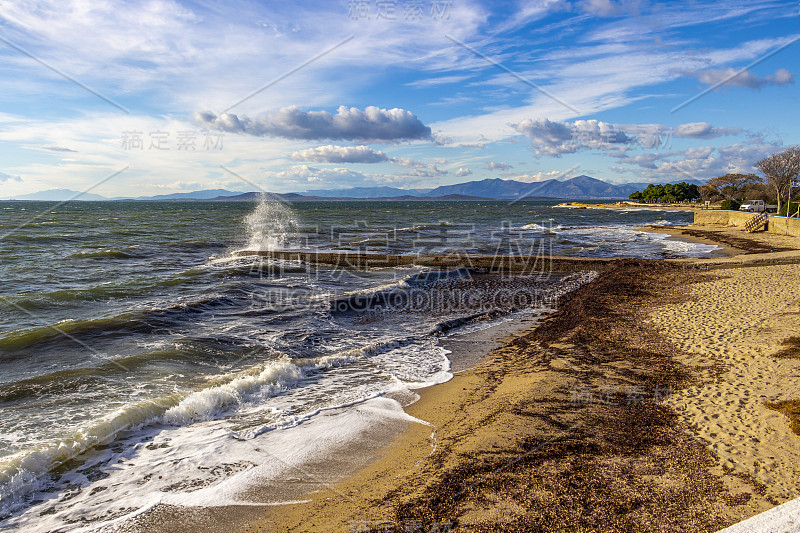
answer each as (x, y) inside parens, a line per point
(271, 225)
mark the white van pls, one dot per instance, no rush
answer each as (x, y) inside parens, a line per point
(753, 206)
(758, 206)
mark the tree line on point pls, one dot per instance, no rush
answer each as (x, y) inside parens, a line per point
(779, 182)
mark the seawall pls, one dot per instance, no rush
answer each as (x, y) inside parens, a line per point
(776, 224)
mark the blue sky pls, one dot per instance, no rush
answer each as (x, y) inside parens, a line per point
(406, 93)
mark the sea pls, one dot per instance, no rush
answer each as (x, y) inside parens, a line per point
(143, 363)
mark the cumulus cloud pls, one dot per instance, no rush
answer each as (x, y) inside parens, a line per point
(537, 177)
(555, 138)
(744, 78)
(702, 130)
(497, 165)
(691, 157)
(461, 172)
(647, 160)
(698, 153)
(420, 168)
(431, 172)
(700, 163)
(340, 154)
(365, 154)
(8, 177)
(348, 124)
(305, 172)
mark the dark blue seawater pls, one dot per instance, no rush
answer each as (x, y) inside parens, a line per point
(128, 334)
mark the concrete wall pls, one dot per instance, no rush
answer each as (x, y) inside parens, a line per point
(784, 226)
(778, 225)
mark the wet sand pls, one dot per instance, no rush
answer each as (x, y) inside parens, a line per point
(733, 241)
(340, 460)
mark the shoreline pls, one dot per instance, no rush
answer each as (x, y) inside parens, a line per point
(444, 406)
(677, 233)
(390, 468)
(467, 351)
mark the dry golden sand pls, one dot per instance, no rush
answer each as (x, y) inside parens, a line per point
(730, 331)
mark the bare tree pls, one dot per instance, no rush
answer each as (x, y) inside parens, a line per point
(780, 169)
(734, 186)
(707, 192)
(759, 191)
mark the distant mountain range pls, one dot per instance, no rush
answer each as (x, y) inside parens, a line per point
(59, 195)
(196, 195)
(366, 192)
(580, 187)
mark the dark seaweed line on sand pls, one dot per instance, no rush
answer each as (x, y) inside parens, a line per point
(592, 466)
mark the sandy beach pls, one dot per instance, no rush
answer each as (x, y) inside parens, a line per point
(641, 404)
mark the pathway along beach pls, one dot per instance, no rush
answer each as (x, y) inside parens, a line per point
(654, 399)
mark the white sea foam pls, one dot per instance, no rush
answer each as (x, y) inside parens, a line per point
(621, 241)
(534, 226)
(689, 249)
(406, 364)
(271, 225)
(193, 454)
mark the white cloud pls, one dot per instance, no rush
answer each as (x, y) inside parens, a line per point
(555, 138)
(420, 168)
(646, 160)
(300, 173)
(200, 185)
(340, 154)
(744, 78)
(441, 80)
(593, 77)
(58, 149)
(698, 153)
(461, 172)
(538, 176)
(351, 124)
(700, 163)
(497, 165)
(8, 177)
(601, 8)
(702, 130)
(196, 56)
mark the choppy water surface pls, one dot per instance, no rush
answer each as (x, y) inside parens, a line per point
(132, 345)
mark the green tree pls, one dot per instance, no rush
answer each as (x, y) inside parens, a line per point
(653, 192)
(670, 192)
